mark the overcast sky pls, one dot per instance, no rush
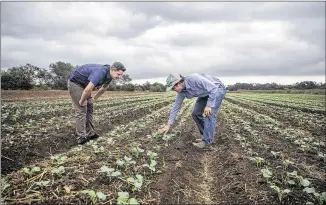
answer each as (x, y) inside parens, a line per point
(281, 42)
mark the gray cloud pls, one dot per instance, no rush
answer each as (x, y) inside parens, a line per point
(156, 38)
(229, 11)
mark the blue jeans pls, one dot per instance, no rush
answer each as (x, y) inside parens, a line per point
(207, 125)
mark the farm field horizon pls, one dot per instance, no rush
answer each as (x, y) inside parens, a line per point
(269, 149)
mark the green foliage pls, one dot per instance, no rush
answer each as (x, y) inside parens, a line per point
(61, 71)
(123, 198)
(30, 171)
(280, 192)
(274, 87)
(157, 87)
(19, 78)
(95, 196)
(137, 182)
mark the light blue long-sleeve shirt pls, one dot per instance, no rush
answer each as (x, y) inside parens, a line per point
(196, 85)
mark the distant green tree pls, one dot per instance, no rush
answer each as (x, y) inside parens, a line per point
(146, 85)
(128, 87)
(20, 77)
(60, 71)
(157, 87)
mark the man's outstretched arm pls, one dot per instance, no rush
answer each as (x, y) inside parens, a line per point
(173, 113)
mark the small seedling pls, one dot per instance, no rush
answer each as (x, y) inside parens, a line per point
(266, 173)
(97, 149)
(123, 198)
(320, 197)
(136, 151)
(137, 182)
(152, 165)
(286, 163)
(280, 192)
(59, 159)
(301, 181)
(110, 172)
(258, 160)
(30, 171)
(152, 155)
(58, 171)
(94, 195)
(126, 161)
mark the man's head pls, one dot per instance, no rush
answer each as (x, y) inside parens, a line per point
(116, 70)
(175, 82)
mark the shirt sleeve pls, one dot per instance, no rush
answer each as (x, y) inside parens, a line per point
(210, 87)
(176, 107)
(96, 76)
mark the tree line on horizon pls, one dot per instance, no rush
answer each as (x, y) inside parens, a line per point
(27, 77)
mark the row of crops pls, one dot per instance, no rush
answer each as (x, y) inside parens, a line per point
(282, 136)
(114, 168)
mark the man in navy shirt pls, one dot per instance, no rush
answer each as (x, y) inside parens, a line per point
(210, 92)
(81, 82)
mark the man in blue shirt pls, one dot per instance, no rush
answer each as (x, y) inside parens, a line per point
(210, 92)
(81, 82)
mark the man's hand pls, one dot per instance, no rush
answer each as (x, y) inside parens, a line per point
(207, 111)
(165, 129)
(83, 104)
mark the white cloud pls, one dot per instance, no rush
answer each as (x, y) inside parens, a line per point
(222, 39)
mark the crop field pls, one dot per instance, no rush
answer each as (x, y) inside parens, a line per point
(269, 149)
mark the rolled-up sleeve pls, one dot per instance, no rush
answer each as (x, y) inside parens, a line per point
(176, 107)
(96, 76)
(211, 88)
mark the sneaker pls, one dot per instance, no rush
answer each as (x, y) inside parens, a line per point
(94, 136)
(82, 140)
(203, 146)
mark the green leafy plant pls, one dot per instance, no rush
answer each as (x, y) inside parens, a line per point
(123, 198)
(97, 149)
(59, 159)
(136, 151)
(301, 181)
(110, 172)
(58, 171)
(266, 173)
(321, 198)
(286, 163)
(167, 137)
(94, 195)
(137, 182)
(280, 191)
(151, 165)
(30, 171)
(258, 160)
(126, 162)
(152, 155)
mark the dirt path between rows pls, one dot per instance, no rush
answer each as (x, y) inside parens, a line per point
(223, 176)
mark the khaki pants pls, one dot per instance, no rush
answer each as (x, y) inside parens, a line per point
(83, 115)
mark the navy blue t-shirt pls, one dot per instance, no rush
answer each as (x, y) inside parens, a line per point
(98, 74)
